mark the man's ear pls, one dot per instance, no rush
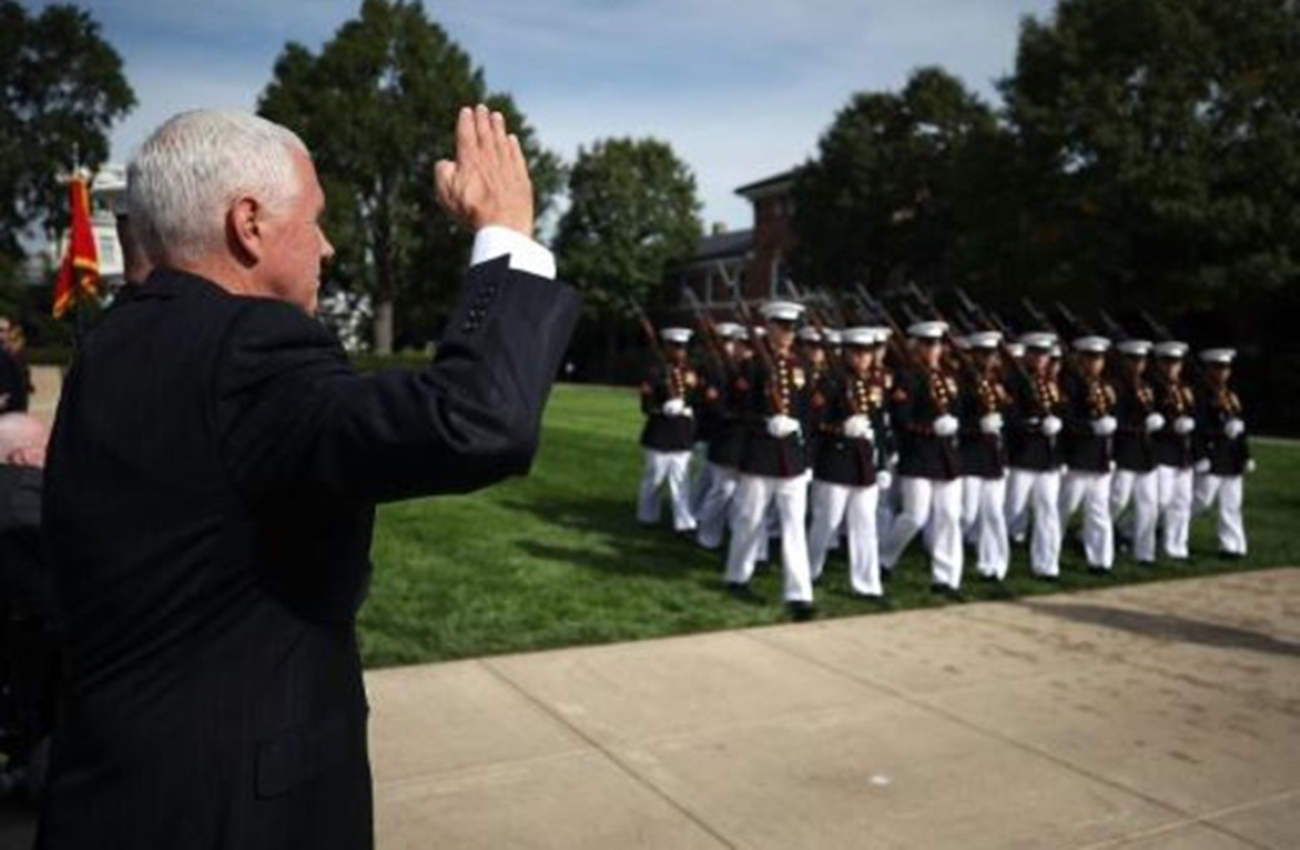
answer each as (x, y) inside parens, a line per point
(245, 230)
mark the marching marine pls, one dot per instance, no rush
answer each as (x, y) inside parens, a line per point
(668, 398)
(1223, 454)
(1033, 454)
(1090, 426)
(1173, 449)
(1134, 480)
(983, 401)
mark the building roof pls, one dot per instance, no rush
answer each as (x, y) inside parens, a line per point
(768, 185)
(734, 244)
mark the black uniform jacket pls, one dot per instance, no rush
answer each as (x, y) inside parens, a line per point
(786, 392)
(847, 460)
(919, 397)
(1214, 407)
(1032, 401)
(1086, 401)
(1134, 403)
(13, 384)
(1173, 401)
(669, 433)
(731, 409)
(982, 455)
(210, 495)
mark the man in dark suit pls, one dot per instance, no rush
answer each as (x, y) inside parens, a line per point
(212, 479)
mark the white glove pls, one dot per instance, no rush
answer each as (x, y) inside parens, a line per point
(1113, 466)
(945, 426)
(858, 427)
(1105, 426)
(991, 423)
(892, 461)
(1234, 428)
(674, 407)
(1051, 426)
(884, 479)
(782, 426)
(1184, 425)
(1202, 466)
(1155, 422)
(688, 411)
(1250, 465)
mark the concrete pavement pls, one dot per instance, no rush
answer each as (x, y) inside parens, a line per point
(1148, 716)
(1153, 716)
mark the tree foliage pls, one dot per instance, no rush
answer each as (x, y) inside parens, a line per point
(377, 106)
(63, 88)
(1165, 138)
(895, 191)
(633, 211)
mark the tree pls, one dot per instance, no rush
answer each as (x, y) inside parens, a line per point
(63, 89)
(1161, 143)
(633, 211)
(378, 107)
(894, 191)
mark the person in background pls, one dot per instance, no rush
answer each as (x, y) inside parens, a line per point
(725, 396)
(1090, 426)
(669, 397)
(1222, 452)
(775, 463)
(983, 404)
(15, 384)
(923, 411)
(1173, 449)
(1134, 480)
(1033, 454)
(845, 473)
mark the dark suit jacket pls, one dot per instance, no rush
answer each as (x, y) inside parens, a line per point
(210, 496)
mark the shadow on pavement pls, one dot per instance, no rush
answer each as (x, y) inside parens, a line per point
(1167, 627)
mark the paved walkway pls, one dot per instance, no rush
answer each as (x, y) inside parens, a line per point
(1154, 716)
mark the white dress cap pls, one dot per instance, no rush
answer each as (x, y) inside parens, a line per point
(681, 336)
(928, 330)
(983, 339)
(1222, 356)
(809, 334)
(861, 336)
(1135, 347)
(1092, 344)
(1171, 349)
(782, 311)
(1039, 340)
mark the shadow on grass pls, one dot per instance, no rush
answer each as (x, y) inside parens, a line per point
(1167, 627)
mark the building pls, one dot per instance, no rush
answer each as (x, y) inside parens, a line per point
(754, 262)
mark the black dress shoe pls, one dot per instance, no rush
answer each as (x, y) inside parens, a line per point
(1048, 579)
(1098, 571)
(950, 593)
(886, 576)
(740, 590)
(1230, 556)
(1147, 565)
(801, 612)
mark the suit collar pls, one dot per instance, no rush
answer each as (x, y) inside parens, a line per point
(174, 283)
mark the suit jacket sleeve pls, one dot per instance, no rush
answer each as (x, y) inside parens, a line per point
(294, 419)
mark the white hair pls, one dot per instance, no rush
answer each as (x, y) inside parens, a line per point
(181, 183)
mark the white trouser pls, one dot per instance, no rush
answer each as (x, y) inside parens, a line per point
(837, 506)
(790, 498)
(1038, 492)
(701, 475)
(1174, 494)
(1091, 491)
(1228, 491)
(672, 467)
(714, 509)
(926, 500)
(984, 523)
(1139, 526)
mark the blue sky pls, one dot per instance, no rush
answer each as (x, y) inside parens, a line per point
(742, 89)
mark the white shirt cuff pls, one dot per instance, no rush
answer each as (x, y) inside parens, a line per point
(525, 255)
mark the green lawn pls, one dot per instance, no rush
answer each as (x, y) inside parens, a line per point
(558, 559)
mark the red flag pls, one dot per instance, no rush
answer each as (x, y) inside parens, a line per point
(79, 274)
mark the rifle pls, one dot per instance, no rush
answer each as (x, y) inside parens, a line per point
(875, 308)
(963, 357)
(992, 321)
(651, 333)
(712, 343)
(818, 322)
